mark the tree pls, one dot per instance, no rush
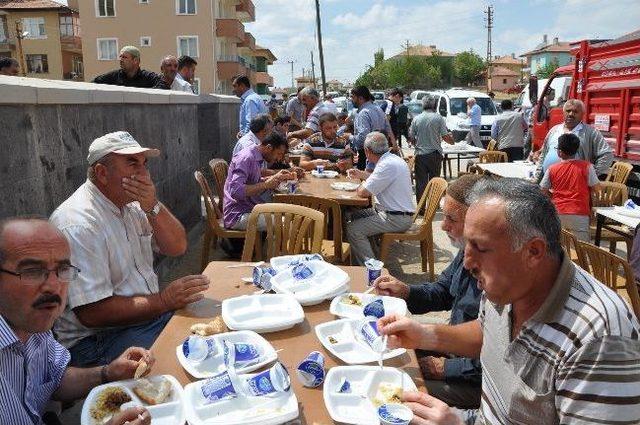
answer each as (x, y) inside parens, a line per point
(378, 57)
(546, 70)
(467, 66)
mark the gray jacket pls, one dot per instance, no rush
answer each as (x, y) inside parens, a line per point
(593, 148)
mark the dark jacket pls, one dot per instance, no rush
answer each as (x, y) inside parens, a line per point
(142, 79)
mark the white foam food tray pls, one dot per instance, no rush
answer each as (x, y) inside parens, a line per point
(171, 412)
(326, 282)
(214, 364)
(283, 262)
(241, 410)
(347, 186)
(262, 313)
(629, 212)
(348, 346)
(357, 406)
(326, 174)
(392, 305)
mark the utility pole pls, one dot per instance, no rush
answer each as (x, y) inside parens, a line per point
(20, 52)
(489, 26)
(313, 71)
(292, 83)
(324, 80)
(407, 46)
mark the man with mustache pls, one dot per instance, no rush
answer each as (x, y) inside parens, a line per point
(556, 346)
(35, 273)
(454, 380)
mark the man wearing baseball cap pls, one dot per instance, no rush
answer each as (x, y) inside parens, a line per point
(129, 74)
(114, 222)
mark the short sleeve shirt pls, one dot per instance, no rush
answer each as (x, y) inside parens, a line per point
(569, 182)
(315, 147)
(427, 129)
(313, 120)
(390, 183)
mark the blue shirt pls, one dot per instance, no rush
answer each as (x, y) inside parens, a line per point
(369, 118)
(252, 105)
(475, 114)
(456, 290)
(29, 374)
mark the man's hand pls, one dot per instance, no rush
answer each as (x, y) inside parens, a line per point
(322, 162)
(402, 331)
(124, 367)
(428, 410)
(354, 173)
(184, 291)
(433, 366)
(299, 172)
(391, 287)
(343, 165)
(283, 175)
(132, 416)
(141, 188)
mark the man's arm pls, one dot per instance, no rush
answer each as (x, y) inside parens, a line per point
(543, 154)
(121, 311)
(300, 134)
(108, 78)
(494, 130)
(602, 155)
(445, 133)
(463, 368)
(434, 296)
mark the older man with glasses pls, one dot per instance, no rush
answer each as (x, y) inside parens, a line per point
(35, 275)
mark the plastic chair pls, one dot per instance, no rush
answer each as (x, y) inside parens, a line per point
(570, 244)
(619, 172)
(493, 145)
(219, 169)
(606, 267)
(290, 229)
(214, 228)
(488, 157)
(609, 194)
(420, 231)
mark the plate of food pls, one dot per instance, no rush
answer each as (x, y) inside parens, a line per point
(352, 394)
(346, 186)
(262, 313)
(203, 357)
(161, 395)
(353, 305)
(311, 282)
(326, 174)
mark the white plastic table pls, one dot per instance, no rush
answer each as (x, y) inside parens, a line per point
(519, 170)
(607, 217)
(461, 151)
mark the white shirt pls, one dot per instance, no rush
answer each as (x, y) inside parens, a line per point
(331, 107)
(390, 182)
(113, 249)
(179, 84)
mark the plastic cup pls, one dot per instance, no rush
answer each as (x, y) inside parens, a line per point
(311, 370)
(394, 414)
(374, 270)
(320, 169)
(375, 308)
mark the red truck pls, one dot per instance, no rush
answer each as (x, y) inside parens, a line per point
(605, 75)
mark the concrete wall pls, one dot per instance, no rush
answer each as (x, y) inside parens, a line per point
(47, 127)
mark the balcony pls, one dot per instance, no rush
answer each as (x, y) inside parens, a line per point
(7, 44)
(230, 66)
(249, 41)
(230, 28)
(264, 78)
(71, 43)
(246, 11)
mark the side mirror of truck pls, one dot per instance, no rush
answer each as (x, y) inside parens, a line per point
(533, 89)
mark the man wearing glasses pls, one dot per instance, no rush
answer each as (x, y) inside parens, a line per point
(114, 222)
(35, 274)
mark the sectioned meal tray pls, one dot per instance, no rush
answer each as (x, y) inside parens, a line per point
(358, 405)
(347, 346)
(326, 174)
(346, 186)
(240, 410)
(170, 412)
(262, 313)
(340, 308)
(215, 363)
(326, 282)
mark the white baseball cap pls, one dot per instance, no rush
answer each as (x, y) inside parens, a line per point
(120, 142)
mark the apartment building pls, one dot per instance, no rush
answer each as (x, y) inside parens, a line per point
(211, 31)
(50, 32)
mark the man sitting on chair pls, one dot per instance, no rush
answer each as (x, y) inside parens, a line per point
(327, 148)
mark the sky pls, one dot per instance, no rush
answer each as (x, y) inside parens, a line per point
(352, 30)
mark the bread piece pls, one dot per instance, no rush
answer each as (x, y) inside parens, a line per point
(141, 370)
(215, 326)
(153, 392)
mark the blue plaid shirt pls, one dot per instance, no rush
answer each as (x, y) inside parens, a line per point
(29, 374)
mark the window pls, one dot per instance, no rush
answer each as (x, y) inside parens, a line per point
(504, 81)
(77, 65)
(107, 49)
(105, 8)
(69, 26)
(145, 41)
(3, 30)
(186, 7)
(34, 27)
(196, 85)
(144, 2)
(442, 109)
(188, 45)
(37, 64)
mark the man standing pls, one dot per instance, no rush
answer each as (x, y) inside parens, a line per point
(9, 66)
(245, 186)
(593, 147)
(169, 80)
(129, 74)
(556, 346)
(508, 130)
(35, 275)
(295, 110)
(475, 121)
(187, 70)
(259, 128)
(452, 379)
(326, 148)
(390, 183)
(114, 222)
(311, 101)
(398, 114)
(368, 119)
(252, 103)
(427, 132)
(330, 105)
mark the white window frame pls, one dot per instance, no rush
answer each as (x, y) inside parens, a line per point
(145, 37)
(197, 80)
(3, 35)
(195, 4)
(115, 10)
(144, 1)
(178, 38)
(98, 40)
(39, 36)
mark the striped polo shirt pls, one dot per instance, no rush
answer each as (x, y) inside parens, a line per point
(576, 360)
(29, 374)
(315, 147)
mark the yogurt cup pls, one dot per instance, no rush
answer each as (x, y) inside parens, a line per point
(394, 414)
(374, 309)
(302, 271)
(368, 332)
(262, 277)
(220, 387)
(320, 169)
(240, 355)
(311, 370)
(374, 270)
(271, 382)
(197, 349)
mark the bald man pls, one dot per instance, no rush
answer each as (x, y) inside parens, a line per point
(168, 80)
(129, 74)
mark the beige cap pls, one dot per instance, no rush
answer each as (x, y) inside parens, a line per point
(120, 142)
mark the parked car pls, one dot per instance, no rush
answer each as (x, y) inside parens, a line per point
(418, 94)
(452, 105)
(378, 95)
(415, 109)
(343, 104)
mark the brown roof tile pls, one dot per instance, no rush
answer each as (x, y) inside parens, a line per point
(503, 72)
(508, 60)
(31, 4)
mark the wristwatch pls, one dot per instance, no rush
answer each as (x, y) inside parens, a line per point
(155, 210)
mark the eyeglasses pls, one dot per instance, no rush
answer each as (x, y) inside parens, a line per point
(65, 273)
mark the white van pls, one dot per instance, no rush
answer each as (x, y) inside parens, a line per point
(418, 94)
(452, 105)
(560, 86)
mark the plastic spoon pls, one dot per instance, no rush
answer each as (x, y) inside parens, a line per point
(383, 349)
